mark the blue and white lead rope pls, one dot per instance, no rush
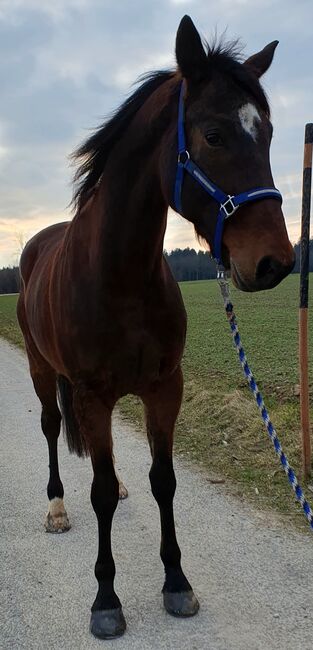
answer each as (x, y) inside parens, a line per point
(224, 287)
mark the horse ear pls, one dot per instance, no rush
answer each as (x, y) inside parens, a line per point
(261, 61)
(190, 55)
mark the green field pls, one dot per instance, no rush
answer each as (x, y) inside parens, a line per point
(219, 426)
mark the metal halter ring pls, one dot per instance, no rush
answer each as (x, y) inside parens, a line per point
(183, 156)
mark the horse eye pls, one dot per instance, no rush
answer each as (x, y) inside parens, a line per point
(214, 139)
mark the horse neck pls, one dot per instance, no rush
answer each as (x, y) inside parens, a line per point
(123, 225)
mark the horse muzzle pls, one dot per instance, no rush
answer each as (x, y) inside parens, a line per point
(269, 272)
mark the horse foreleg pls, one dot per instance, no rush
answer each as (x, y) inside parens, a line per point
(162, 407)
(94, 417)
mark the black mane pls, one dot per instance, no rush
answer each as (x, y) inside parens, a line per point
(92, 155)
(94, 152)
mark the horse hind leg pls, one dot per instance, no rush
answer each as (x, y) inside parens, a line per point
(44, 380)
(56, 520)
(122, 489)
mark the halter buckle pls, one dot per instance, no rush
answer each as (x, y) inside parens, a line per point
(229, 207)
(183, 156)
(221, 274)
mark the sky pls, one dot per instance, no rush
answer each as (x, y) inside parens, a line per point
(66, 64)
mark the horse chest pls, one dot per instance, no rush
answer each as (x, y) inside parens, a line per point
(138, 356)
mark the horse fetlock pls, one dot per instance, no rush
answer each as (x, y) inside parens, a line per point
(122, 491)
(56, 520)
(175, 580)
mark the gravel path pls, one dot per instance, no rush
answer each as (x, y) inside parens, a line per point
(253, 578)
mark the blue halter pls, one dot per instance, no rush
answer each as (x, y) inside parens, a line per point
(227, 204)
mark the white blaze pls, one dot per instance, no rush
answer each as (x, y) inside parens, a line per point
(249, 117)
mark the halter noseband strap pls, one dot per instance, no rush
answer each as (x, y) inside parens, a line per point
(227, 204)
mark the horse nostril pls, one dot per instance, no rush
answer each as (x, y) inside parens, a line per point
(266, 266)
(270, 271)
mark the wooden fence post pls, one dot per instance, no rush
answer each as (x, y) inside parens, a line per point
(303, 307)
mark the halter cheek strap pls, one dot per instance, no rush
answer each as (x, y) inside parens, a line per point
(228, 204)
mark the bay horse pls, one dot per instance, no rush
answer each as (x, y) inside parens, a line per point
(101, 314)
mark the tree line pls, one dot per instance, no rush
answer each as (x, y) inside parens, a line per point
(9, 280)
(186, 264)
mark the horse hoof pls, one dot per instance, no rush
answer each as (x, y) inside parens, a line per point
(122, 491)
(57, 523)
(182, 603)
(107, 623)
(56, 519)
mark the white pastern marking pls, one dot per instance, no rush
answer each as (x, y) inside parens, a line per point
(56, 507)
(248, 116)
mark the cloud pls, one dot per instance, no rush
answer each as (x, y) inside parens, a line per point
(179, 233)
(66, 64)
(182, 2)
(11, 10)
(29, 226)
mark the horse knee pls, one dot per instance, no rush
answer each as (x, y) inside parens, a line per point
(162, 480)
(105, 492)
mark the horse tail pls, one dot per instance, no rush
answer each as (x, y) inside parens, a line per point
(72, 433)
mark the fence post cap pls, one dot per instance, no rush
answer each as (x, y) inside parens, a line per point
(309, 133)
